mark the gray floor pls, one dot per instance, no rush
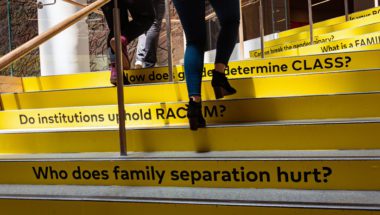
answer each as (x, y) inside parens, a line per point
(229, 155)
(221, 196)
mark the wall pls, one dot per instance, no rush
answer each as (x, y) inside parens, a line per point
(67, 52)
(24, 27)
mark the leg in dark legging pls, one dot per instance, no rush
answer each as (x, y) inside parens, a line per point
(192, 16)
(143, 15)
(108, 14)
(228, 14)
(142, 12)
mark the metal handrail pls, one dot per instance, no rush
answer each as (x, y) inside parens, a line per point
(310, 9)
(120, 84)
(9, 19)
(40, 39)
(27, 47)
(169, 40)
(320, 3)
(262, 31)
(346, 10)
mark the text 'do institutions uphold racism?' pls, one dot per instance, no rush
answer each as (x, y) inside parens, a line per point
(225, 111)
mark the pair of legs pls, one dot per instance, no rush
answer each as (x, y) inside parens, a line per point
(147, 46)
(142, 13)
(192, 16)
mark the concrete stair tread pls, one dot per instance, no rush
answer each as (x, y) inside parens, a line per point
(221, 196)
(226, 155)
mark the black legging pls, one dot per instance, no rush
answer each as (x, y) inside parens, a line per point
(192, 16)
(142, 13)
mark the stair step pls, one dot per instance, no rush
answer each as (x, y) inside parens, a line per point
(338, 30)
(281, 135)
(362, 42)
(322, 171)
(284, 44)
(344, 44)
(340, 106)
(200, 200)
(360, 15)
(259, 155)
(350, 61)
(61, 206)
(271, 86)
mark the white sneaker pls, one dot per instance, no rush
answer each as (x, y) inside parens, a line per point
(138, 64)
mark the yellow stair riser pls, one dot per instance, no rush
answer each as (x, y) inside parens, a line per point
(49, 207)
(238, 69)
(339, 30)
(345, 44)
(363, 42)
(325, 38)
(271, 86)
(328, 174)
(224, 111)
(297, 52)
(361, 15)
(331, 136)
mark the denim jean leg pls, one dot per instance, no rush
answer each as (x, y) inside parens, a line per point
(153, 34)
(141, 52)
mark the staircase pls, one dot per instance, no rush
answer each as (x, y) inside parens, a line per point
(299, 137)
(361, 32)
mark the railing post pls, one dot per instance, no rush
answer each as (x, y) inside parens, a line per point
(286, 14)
(273, 18)
(376, 2)
(169, 39)
(346, 9)
(120, 84)
(310, 7)
(262, 33)
(9, 32)
(241, 33)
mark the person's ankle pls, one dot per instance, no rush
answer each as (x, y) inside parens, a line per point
(219, 71)
(220, 67)
(196, 99)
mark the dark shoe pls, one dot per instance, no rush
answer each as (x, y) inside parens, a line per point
(194, 114)
(221, 86)
(113, 78)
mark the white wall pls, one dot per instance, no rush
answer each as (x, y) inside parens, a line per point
(68, 52)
